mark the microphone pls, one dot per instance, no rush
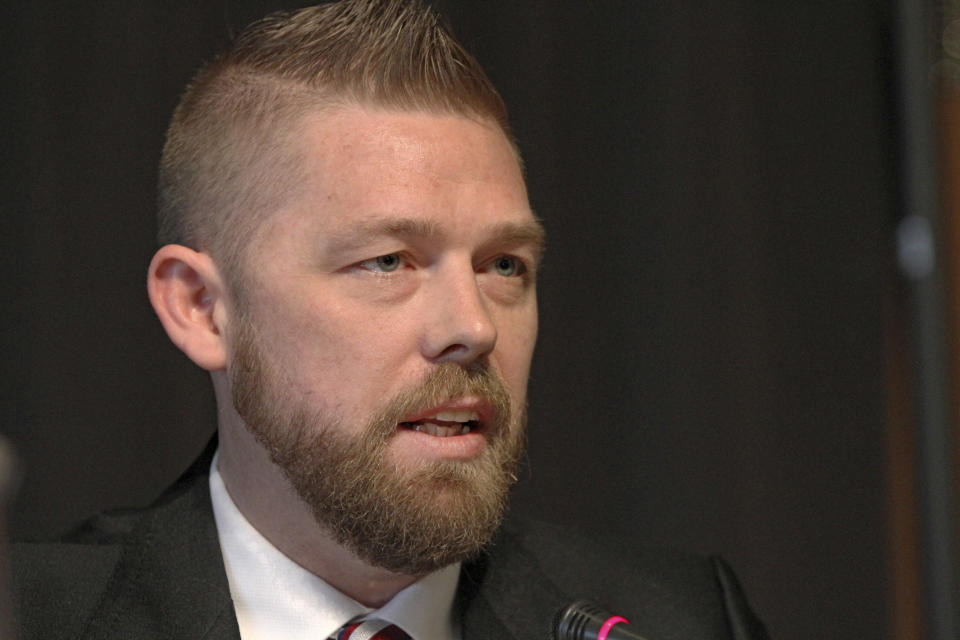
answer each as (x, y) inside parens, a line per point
(583, 620)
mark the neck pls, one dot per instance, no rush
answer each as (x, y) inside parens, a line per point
(267, 500)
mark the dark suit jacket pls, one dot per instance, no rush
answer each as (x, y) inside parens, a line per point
(157, 573)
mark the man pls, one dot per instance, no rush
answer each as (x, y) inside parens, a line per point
(348, 248)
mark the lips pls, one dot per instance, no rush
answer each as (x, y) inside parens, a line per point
(445, 423)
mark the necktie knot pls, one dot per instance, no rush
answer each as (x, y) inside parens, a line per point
(372, 629)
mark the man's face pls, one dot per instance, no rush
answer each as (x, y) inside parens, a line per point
(388, 319)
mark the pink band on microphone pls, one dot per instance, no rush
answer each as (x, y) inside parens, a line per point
(605, 629)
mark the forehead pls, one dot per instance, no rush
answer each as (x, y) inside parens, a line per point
(361, 164)
(404, 140)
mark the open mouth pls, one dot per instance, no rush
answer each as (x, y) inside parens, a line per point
(445, 424)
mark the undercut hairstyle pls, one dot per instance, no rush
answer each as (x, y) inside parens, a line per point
(231, 154)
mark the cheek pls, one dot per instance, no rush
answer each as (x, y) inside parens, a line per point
(517, 336)
(337, 352)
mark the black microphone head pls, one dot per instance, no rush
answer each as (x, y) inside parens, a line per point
(583, 620)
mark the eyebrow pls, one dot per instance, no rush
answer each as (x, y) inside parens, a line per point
(527, 232)
(362, 231)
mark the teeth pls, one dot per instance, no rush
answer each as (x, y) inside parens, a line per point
(456, 423)
(457, 416)
(441, 431)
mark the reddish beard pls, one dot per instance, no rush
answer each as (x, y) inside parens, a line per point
(407, 520)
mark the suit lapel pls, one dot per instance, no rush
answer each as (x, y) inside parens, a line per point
(170, 581)
(505, 595)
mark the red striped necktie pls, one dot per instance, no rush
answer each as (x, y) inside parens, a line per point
(372, 629)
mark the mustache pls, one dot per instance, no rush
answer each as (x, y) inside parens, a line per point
(445, 382)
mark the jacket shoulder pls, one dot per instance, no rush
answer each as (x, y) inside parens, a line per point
(148, 573)
(572, 557)
(669, 593)
(57, 584)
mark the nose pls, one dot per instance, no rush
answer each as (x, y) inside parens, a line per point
(458, 326)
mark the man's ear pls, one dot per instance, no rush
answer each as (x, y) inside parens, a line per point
(188, 295)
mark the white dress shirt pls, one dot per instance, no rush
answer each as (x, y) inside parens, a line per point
(277, 599)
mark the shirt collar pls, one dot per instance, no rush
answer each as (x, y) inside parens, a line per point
(274, 597)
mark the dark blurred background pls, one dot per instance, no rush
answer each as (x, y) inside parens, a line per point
(717, 185)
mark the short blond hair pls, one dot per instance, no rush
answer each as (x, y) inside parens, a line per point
(230, 155)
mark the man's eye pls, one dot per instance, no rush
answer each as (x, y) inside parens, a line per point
(507, 266)
(383, 264)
